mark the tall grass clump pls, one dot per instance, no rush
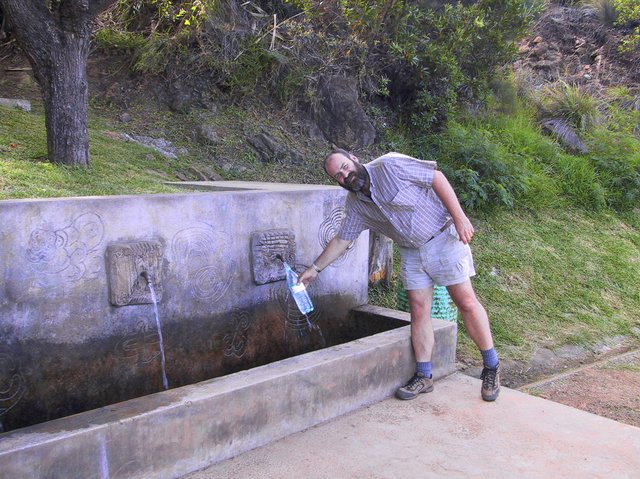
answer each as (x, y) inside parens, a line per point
(573, 104)
(552, 177)
(519, 135)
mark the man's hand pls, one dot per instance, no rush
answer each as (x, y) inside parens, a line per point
(465, 229)
(307, 276)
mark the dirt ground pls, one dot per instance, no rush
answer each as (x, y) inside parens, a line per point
(602, 379)
(609, 388)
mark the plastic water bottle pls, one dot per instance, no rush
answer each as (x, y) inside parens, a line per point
(298, 291)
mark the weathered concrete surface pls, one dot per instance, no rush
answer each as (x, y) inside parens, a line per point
(449, 433)
(169, 434)
(65, 348)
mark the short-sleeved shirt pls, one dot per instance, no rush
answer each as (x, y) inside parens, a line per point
(403, 205)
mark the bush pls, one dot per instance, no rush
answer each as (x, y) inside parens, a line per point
(482, 173)
(453, 53)
(628, 13)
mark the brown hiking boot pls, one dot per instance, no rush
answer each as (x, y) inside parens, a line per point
(490, 383)
(416, 385)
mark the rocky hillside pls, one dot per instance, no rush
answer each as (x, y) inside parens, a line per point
(573, 45)
(224, 131)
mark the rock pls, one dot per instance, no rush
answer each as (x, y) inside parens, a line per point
(565, 134)
(207, 134)
(180, 98)
(205, 174)
(24, 105)
(125, 117)
(269, 149)
(182, 177)
(198, 174)
(162, 146)
(340, 116)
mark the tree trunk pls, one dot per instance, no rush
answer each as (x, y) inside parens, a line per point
(55, 38)
(66, 98)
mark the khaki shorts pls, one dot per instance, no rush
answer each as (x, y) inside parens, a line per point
(444, 261)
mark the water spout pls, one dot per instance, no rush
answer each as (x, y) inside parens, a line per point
(147, 276)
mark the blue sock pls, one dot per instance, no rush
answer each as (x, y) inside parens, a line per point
(490, 358)
(424, 368)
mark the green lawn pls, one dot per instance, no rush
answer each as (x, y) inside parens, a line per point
(116, 166)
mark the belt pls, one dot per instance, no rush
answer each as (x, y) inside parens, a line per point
(444, 227)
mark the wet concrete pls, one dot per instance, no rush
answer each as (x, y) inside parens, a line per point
(449, 433)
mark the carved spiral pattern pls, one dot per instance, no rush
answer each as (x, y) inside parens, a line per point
(12, 384)
(329, 228)
(200, 252)
(70, 252)
(236, 342)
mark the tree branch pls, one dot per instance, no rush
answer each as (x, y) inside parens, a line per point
(31, 23)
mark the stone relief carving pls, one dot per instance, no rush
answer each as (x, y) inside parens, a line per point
(69, 253)
(200, 251)
(328, 229)
(131, 265)
(140, 347)
(265, 248)
(235, 343)
(12, 384)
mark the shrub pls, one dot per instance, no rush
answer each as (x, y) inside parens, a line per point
(616, 159)
(628, 13)
(482, 173)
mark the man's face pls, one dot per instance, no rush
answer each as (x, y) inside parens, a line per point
(348, 172)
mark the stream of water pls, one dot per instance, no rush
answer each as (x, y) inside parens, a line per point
(165, 382)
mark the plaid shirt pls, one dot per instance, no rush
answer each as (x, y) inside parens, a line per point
(403, 206)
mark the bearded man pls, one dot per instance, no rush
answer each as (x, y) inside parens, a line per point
(412, 203)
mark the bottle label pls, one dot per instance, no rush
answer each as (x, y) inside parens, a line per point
(298, 288)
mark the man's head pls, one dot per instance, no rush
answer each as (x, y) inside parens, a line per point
(346, 169)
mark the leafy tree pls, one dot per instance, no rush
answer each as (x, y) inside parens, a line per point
(55, 37)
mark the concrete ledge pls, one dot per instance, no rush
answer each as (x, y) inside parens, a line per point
(234, 185)
(169, 434)
(446, 333)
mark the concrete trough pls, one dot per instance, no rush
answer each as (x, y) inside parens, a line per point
(172, 433)
(86, 342)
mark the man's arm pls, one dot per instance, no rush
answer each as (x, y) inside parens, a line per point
(334, 249)
(445, 192)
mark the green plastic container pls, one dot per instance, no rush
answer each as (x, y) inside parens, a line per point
(442, 306)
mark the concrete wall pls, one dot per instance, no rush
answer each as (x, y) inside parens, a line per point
(64, 345)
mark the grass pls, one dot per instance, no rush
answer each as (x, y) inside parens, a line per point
(117, 167)
(560, 277)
